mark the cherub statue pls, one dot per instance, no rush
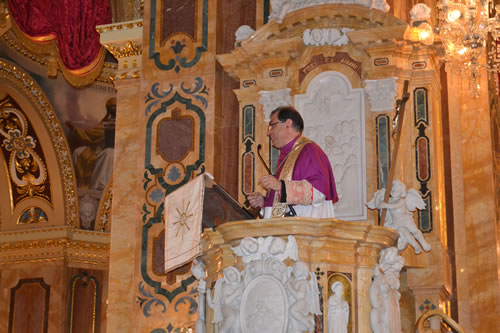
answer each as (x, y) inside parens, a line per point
(400, 217)
(384, 294)
(304, 295)
(226, 302)
(279, 9)
(338, 310)
(249, 249)
(198, 270)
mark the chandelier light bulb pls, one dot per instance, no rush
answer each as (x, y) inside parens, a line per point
(454, 15)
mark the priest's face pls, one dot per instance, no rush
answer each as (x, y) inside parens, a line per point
(277, 132)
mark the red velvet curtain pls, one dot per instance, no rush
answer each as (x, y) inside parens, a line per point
(70, 22)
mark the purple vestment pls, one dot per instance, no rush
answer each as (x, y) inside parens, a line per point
(312, 165)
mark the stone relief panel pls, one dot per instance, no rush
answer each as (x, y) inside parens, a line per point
(267, 295)
(334, 118)
(272, 99)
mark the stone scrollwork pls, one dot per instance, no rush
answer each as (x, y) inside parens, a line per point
(243, 32)
(267, 295)
(381, 94)
(271, 99)
(332, 37)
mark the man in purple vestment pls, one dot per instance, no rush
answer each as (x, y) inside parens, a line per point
(303, 179)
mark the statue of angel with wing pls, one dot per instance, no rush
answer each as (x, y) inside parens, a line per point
(226, 301)
(400, 215)
(304, 296)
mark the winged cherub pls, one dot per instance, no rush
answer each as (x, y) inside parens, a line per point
(400, 218)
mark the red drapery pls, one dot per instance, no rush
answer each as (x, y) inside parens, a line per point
(71, 23)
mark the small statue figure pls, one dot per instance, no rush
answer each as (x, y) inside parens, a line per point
(384, 294)
(400, 217)
(226, 302)
(380, 5)
(338, 310)
(243, 32)
(198, 270)
(280, 9)
(304, 295)
(249, 249)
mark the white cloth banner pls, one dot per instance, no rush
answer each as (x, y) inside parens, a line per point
(183, 211)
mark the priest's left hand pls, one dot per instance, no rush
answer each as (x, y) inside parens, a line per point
(270, 183)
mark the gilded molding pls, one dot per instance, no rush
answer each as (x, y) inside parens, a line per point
(129, 49)
(119, 26)
(52, 244)
(124, 41)
(49, 50)
(30, 88)
(50, 61)
(13, 43)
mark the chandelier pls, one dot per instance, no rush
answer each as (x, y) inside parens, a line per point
(465, 28)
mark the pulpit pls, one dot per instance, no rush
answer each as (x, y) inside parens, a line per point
(332, 251)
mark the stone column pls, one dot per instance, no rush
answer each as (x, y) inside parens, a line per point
(474, 218)
(124, 41)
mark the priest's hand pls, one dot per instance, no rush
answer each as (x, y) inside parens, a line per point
(270, 183)
(256, 200)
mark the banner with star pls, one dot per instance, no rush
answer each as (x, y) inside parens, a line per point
(183, 214)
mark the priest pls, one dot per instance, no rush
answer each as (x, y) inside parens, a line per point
(303, 183)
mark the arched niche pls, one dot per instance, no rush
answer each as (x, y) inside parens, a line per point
(58, 204)
(334, 117)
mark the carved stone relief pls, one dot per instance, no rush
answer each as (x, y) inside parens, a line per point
(333, 114)
(381, 94)
(333, 37)
(268, 295)
(271, 99)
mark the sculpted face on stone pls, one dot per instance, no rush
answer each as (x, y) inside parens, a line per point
(250, 244)
(88, 211)
(231, 274)
(337, 288)
(277, 246)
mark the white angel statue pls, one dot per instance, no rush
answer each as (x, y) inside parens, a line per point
(226, 302)
(400, 217)
(304, 296)
(384, 294)
(198, 270)
(338, 310)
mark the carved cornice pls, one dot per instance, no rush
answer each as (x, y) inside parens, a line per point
(75, 246)
(325, 16)
(124, 41)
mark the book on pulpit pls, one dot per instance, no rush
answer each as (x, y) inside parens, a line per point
(195, 206)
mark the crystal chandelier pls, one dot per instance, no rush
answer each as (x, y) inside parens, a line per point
(464, 28)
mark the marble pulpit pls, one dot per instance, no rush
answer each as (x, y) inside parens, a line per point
(252, 267)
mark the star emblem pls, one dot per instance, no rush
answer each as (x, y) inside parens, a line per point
(183, 219)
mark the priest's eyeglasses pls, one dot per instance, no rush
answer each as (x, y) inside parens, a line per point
(271, 125)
